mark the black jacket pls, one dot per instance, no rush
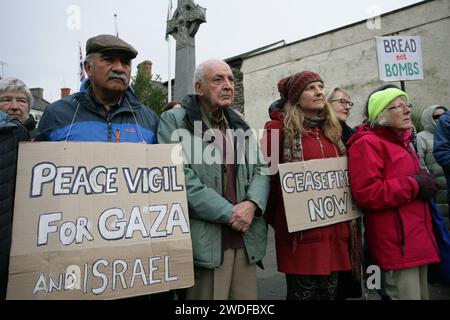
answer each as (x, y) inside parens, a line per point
(11, 133)
(346, 132)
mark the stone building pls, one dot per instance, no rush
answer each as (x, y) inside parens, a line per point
(347, 57)
(39, 105)
(236, 64)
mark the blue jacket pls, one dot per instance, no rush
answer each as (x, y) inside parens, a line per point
(441, 148)
(90, 125)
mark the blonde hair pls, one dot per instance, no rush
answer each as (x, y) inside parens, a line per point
(334, 90)
(293, 123)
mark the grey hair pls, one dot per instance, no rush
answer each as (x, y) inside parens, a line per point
(14, 84)
(382, 120)
(199, 75)
(89, 59)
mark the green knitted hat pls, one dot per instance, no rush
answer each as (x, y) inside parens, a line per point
(381, 99)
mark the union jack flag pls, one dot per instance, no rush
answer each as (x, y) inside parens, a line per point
(82, 73)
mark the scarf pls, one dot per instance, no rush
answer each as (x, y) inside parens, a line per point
(293, 150)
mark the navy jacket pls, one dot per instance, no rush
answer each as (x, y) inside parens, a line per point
(441, 148)
(11, 133)
(130, 121)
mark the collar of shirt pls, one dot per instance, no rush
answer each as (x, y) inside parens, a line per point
(220, 122)
(101, 108)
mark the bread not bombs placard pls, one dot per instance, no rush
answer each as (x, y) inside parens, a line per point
(399, 58)
(99, 221)
(317, 193)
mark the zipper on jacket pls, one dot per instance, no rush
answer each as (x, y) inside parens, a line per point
(109, 130)
(399, 223)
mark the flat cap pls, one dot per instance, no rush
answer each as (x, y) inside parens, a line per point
(107, 42)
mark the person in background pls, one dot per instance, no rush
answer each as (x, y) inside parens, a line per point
(226, 198)
(172, 104)
(308, 129)
(441, 148)
(387, 182)
(16, 101)
(425, 139)
(349, 285)
(340, 100)
(12, 132)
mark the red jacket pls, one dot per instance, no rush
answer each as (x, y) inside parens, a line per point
(398, 225)
(318, 251)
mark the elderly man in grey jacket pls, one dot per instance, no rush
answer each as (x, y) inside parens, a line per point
(227, 192)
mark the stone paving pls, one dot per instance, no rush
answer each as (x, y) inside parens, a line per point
(272, 286)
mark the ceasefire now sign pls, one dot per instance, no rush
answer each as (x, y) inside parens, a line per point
(399, 58)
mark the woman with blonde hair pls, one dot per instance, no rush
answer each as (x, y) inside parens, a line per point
(339, 100)
(308, 129)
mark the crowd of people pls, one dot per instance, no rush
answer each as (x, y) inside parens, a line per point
(394, 173)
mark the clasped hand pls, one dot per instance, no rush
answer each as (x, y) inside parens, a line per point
(242, 216)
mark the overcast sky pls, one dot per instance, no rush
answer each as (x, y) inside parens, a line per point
(39, 39)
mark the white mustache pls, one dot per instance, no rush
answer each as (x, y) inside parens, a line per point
(113, 75)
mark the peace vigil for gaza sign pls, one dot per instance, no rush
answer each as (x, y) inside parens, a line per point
(317, 193)
(99, 221)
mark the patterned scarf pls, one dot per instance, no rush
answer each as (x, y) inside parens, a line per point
(293, 152)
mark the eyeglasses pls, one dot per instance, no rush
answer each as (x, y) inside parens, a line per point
(343, 102)
(402, 105)
(437, 116)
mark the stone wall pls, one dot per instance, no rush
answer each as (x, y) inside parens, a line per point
(239, 100)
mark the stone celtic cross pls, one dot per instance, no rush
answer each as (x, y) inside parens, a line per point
(183, 26)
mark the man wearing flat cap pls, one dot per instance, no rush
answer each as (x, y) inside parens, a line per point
(108, 111)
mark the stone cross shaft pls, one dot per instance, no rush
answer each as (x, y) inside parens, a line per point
(183, 26)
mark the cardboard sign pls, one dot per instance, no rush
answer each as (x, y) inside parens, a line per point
(316, 193)
(399, 58)
(99, 221)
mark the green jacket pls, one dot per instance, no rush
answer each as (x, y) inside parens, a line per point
(208, 209)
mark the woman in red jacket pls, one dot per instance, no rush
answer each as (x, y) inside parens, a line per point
(387, 182)
(308, 129)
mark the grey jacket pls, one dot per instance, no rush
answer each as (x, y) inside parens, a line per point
(425, 140)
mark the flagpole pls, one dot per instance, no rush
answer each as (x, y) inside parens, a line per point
(3, 64)
(82, 74)
(169, 93)
(169, 73)
(116, 25)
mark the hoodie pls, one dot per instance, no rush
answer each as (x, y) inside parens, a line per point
(425, 142)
